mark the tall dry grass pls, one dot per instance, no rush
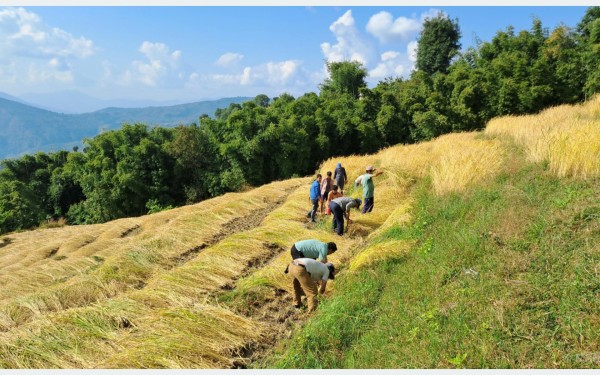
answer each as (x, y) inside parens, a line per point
(567, 137)
(50, 270)
(142, 269)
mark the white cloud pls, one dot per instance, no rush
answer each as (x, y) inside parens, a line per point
(160, 65)
(411, 49)
(402, 29)
(274, 74)
(392, 64)
(229, 58)
(383, 26)
(59, 64)
(271, 77)
(22, 33)
(280, 73)
(395, 64)
(51, 72)
(350, 46)
(40, 53)
(247, 76)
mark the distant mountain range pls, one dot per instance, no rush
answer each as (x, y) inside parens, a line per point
(72, 101)
(25, 128)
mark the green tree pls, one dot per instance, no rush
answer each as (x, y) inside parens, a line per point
(438, 43)
(346, 77)
(589, 30)
(19, 207)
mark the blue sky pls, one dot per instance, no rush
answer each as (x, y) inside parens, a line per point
(207, 52)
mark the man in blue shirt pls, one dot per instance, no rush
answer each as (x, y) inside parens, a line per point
(315, 196)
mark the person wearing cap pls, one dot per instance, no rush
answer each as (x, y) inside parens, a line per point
(369, 188)
(305, 273)
(340, 208)
(315, 197)
(339, 176)
(313, 249)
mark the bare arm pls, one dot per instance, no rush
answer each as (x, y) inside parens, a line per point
(323, 286)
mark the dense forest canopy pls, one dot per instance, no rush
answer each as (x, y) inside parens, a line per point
(140, 169)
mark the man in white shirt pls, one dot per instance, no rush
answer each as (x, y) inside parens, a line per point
(305, 273)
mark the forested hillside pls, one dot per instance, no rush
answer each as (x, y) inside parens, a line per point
(27, 129)
(139, 169)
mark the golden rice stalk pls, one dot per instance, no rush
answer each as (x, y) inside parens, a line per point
(567, 137)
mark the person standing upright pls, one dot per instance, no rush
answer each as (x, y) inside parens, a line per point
(339, 176)
(325, 189)
(314, 196)
(369, 188)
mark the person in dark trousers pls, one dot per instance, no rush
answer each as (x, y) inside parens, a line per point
(334, 193)
(340, 208)
(326, 185)
(314, 196)
(339, 176)
(313, 249)
(369, 188)
(305, 273)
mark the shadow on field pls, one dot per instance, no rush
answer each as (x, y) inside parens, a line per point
(5, 242)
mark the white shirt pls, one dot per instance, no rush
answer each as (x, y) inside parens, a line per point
(358, 180)
(316, 269)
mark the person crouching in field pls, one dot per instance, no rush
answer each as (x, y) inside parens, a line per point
(305, 273)
(340, 207)
(313, 249)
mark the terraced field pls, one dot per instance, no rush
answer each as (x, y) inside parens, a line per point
(202, 286)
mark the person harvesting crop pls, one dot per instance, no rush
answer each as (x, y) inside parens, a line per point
(305, 273)
(368, 188)
(340, 208)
